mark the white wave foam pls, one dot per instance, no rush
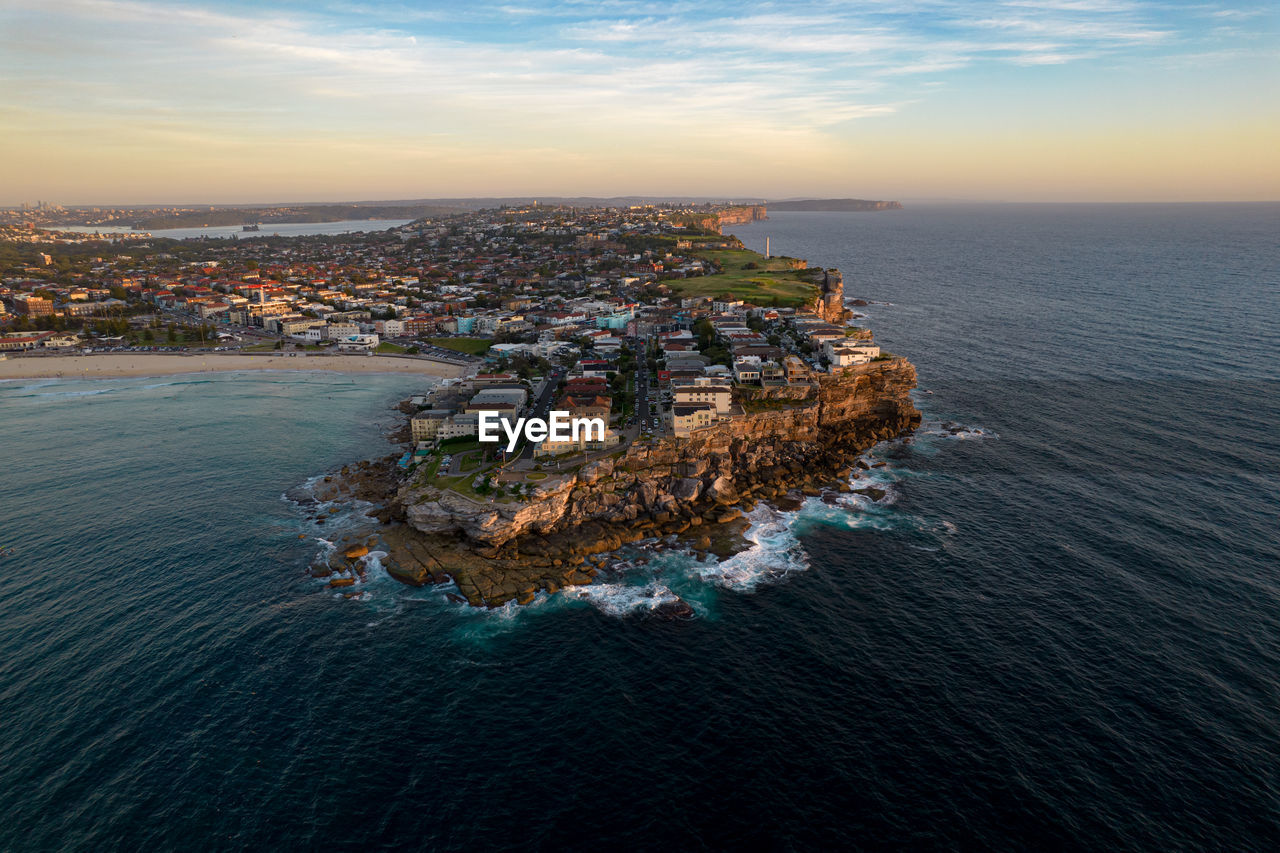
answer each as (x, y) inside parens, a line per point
(91, 393)
(954, 430)
(617, 599)
(775, 551)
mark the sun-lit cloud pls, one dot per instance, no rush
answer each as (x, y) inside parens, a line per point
(139, 99)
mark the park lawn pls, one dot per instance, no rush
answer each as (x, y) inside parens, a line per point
(389, 347)
(470, 346)
(461, 444)
(774, 279)
(462, 485)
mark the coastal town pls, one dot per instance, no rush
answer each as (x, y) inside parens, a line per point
(647, 318)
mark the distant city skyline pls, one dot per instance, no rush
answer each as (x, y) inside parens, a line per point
(132, 102)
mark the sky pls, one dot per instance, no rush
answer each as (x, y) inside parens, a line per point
(134, 101)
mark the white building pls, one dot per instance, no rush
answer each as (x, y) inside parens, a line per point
(358, 343)
(847, 353)
(746, 369)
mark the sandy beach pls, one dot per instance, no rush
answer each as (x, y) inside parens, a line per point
(119, 365)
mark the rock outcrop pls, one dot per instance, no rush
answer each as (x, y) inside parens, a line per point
(829, 304)
(732, 215)
(742, 214)
(792, 438)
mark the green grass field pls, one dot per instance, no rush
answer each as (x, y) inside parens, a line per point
(774, 279)
(470, 346)
(388, 347)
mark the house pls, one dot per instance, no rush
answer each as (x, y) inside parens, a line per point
(746, 370)
(848, 353)
(796, 369)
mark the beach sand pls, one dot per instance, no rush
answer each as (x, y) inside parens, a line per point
(118, 365)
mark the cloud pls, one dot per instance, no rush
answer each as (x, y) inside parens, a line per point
(615, 80)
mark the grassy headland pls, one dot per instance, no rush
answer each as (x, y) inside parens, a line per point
(751, 277)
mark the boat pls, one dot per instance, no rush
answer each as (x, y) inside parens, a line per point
(253, 227)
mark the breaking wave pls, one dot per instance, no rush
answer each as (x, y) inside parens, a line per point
(774, 553)
(618, 599)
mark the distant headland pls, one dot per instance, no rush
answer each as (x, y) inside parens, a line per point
(837, 205)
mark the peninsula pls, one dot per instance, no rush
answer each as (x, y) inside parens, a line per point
(720, 378)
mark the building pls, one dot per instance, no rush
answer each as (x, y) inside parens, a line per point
(459, 426)
(746, 370)
(390, 328)
(587, 406)
(337, 331)
(425, 426)
(848, 353)
(499, 395)
(357, 343)
(586, 443)
(719, 397)
(687, 417)
(32, 305)
(796, 369)
(771, 373)
(12, 341)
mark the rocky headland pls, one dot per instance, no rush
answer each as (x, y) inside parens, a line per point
(788, 442)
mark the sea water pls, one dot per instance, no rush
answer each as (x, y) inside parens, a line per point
(1058, 627)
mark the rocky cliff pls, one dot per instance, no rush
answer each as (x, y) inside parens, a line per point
(742, 214)
(829, 303)
(795, 438)
(735, 215)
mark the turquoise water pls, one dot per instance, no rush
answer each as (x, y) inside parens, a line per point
(1059, 629)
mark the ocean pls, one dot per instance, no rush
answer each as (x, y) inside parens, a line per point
(1058, 629)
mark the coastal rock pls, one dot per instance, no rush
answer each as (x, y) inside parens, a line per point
(498, 550)
(669, 611)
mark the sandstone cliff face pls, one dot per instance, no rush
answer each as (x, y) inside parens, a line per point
(742, 214)
(736, 215)
(795, 437)
(829, 303)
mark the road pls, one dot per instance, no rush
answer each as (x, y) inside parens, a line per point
(542, 406)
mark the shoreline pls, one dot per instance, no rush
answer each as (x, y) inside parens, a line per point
(131, 365)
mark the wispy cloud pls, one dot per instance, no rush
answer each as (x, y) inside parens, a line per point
(557, 81)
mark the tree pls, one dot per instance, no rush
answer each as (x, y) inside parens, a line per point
(705, 331)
